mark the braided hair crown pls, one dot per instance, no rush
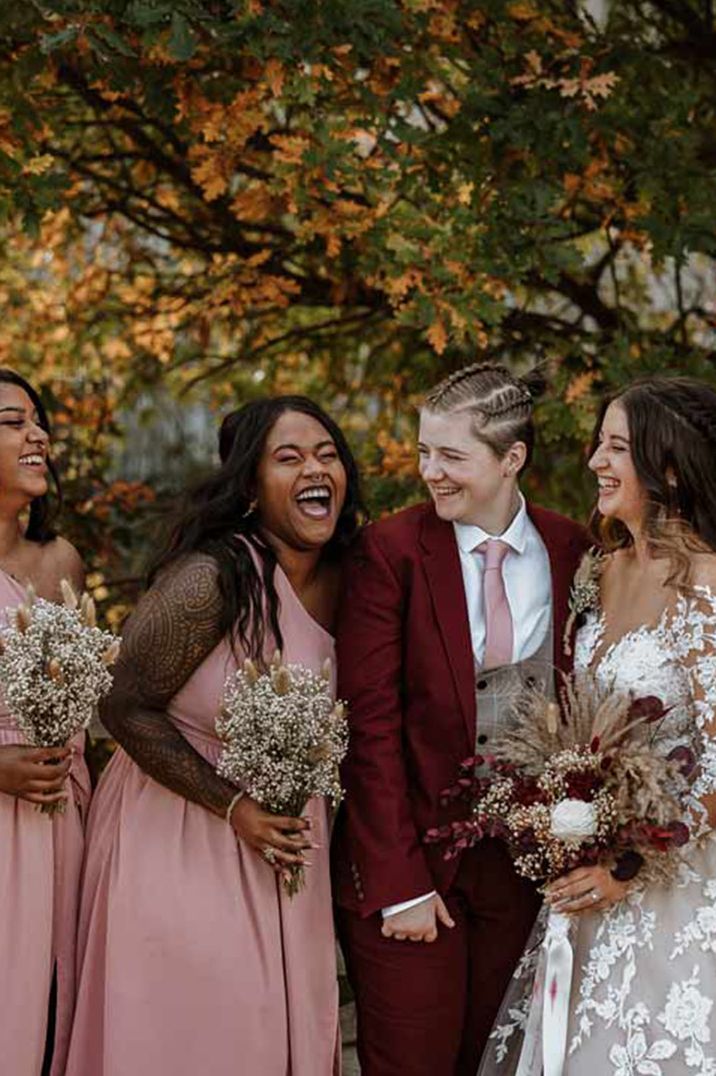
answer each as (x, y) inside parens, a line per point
(499, 403)
(691, 403)
(486, 387)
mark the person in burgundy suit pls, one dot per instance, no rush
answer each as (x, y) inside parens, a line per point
(451, 608)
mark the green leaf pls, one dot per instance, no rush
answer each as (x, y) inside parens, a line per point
(182, 40)
(50, 42)
(111, 38)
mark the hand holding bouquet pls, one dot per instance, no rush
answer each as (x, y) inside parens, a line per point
(567, 790)
(54, 668)
(284, 739)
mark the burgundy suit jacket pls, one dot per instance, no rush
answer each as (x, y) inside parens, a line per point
(406, 670)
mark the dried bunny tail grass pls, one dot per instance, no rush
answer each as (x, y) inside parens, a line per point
(110, 655)
(23, 617)
(68, 594)
(281, 680)
(88, 611)
(250, 671)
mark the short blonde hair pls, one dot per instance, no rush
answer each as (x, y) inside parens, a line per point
(500, 404)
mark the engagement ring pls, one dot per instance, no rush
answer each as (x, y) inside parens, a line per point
(594, 894)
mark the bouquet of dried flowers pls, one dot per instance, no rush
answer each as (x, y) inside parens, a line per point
(284, 738)
(54, 668)
(570, 789)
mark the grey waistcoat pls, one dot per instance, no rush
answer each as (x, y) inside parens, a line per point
(497, 690)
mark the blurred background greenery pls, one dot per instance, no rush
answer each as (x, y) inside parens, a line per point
(206, 200)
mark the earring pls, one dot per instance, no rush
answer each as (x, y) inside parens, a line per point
(251, 509)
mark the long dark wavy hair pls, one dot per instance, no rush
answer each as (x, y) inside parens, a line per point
(672, 434)
(43, 510)
(216, 518)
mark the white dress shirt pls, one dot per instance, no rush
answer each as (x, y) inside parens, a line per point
(528, 583)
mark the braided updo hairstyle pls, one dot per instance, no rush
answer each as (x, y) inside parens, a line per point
(672, 434)
(499, 403)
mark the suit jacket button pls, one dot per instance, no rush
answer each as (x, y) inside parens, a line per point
(481, 685)
(482, 738)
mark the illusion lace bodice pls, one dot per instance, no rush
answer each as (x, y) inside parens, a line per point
(643, 996)
(674, 660)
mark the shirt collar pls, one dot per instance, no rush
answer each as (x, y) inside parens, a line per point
(469, 536)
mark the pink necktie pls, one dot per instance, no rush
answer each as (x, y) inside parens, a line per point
(499, 634)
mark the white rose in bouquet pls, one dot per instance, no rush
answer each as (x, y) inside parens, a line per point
(573, 820)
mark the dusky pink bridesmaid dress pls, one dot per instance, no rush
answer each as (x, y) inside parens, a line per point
(192, 960)
(40, 863)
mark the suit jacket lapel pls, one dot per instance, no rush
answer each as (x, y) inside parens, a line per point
(563, 556)
(443, 572)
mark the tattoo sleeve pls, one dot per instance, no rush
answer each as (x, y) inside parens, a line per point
(173, 629)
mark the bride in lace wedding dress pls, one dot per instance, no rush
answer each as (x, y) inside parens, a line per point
(643, 999)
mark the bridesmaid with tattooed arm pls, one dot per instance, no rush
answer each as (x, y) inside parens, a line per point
(192, 958)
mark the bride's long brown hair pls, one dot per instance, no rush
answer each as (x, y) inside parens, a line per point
(672, 435)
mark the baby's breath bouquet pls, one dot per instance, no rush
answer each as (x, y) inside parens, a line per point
(284, 738)
(54, 668)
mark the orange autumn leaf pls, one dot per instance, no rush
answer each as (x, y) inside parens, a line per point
(579, 386)
(437, 336)
(275, 76)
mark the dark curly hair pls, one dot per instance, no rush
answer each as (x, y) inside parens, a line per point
(42, 510)
(216, 518)
(672, 434)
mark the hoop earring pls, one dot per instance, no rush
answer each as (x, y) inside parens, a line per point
(251, 509)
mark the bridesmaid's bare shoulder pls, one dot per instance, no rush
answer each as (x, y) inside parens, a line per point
(56, 560)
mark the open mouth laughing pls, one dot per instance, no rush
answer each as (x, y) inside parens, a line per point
(315, 501)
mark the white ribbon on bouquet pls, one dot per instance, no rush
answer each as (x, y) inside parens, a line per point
(545, 1042)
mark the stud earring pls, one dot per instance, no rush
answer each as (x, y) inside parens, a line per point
(251, 509)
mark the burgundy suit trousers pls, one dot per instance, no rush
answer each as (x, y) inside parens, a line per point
(427, 1009)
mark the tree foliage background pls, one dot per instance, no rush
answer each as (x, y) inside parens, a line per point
(211, 199)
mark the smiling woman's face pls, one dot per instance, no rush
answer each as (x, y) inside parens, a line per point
(301, 482)
(621, 494)
(24, 446)
(464, 475)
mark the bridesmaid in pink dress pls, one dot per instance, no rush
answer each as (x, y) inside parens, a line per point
(191, 957)
(40, 857)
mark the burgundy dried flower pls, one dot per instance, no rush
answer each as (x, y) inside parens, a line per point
(648, 708)
(685, 758)
(582, 785)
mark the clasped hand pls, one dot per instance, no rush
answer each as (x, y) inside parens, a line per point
(278, 839)
(585, 889)
(37, 774)
(419, 923)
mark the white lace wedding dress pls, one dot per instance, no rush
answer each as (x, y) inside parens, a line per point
(643, 999)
